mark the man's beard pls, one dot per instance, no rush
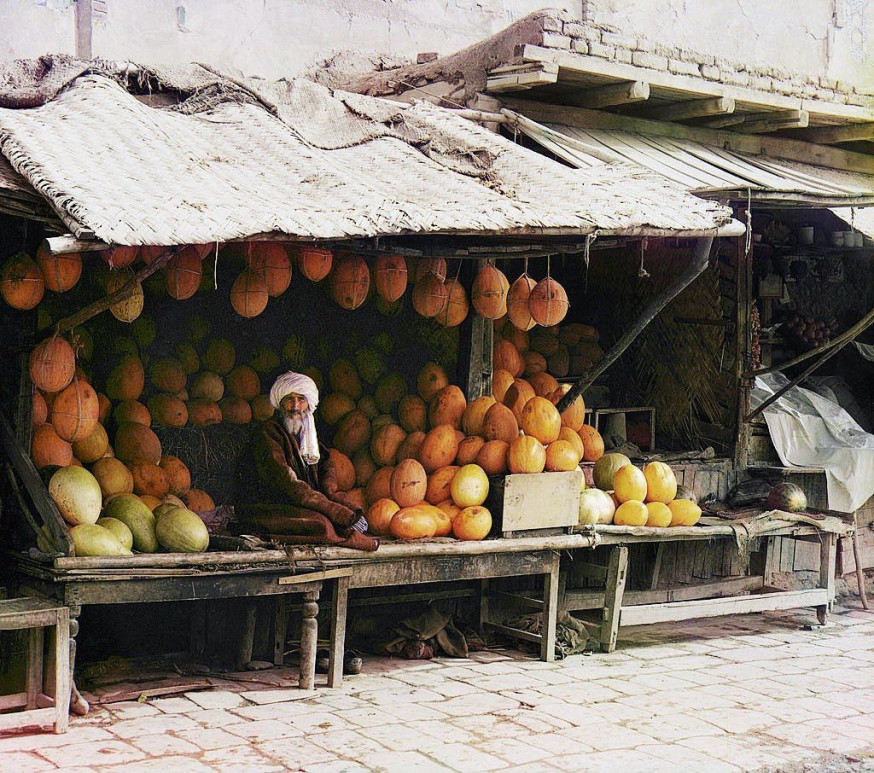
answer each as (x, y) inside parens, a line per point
(293, 422)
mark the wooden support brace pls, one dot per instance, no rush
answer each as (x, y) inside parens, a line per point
(697, 108)
(617, 570)
(609, 96)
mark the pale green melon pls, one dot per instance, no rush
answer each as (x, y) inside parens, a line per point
(182, 531)
(606, 467)
(77, 494)
(120, 530)
(89, 539)
(135, 514)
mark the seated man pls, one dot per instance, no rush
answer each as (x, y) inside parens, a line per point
(286, 480)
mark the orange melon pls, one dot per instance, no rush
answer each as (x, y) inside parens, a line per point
(364, 467)
(350, 281)
(315, 263)
(203, 413)
(334, 407)
(439, 448)
(343, 377)
(592, 442)
(492, 457)
(167, 375)
(75, 411)
(409, 482)
(561, 456)
(517, 396)
(126, 380)
(526, 454)
(379, 516)
(488, 293)
(474, 414)
(409, 449)
(379, 485)
(447, 407)
(540, 419)
(425, 267)
(505, 356)
(413, 523)
(390, 277)
(439, 483)
(21, 282)
(113, 476)
(270, 260)
(243, 382)
(548, 302)
(574, 416)
(199, 501)
(183, 274)
(468, 450)
(235, 410)
(413, 413)
(178, 474)
(517, 303)
(343, 468)
(500, 423)
(135, 441)
(502, 380)
(93, 446)
(52, 364)
(46, 448)
(149, 479)
(353, 433)
(566, 433)
(472, 523)
(431, 379)
(262, 408)
(385, 443)
(207, 385)
(457, 306)
(59, 272)
(249, 293)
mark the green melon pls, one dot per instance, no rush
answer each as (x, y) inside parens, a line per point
(135, 514)
(294, 352)
(89, 539)
(788, 497)
(370, 364)
(120, 530)
(605, 469)
(161, 510)
(263, 359)
(182, 531)
(77, 494)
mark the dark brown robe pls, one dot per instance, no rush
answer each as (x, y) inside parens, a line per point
(294, 502)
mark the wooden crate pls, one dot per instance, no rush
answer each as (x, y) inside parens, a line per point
(640, 414)
(547, 503)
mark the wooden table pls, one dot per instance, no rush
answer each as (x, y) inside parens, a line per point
(733, 595)
(154, 578)
(398, 564)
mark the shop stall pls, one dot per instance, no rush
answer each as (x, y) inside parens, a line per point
(424, 272)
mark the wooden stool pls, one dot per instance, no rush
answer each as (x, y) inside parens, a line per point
(39, 708)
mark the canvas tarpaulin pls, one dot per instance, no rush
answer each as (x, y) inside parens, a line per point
(809, 430)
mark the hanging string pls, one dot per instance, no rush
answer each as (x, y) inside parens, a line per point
(642, 273)
(525, 269)
(749, 214)
(590, 238)
(215, 265)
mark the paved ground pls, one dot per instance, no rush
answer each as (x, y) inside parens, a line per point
(729, 694)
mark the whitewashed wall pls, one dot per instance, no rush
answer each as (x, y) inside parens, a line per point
(274, 38)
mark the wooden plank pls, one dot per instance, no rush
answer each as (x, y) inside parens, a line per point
(831, 135)
(515, 633)
(39, 495)
(773, 122)
(526, 77)
(608, 96)
(171, 560)
(591, 571)
(328, 574)
(646, 614)
(63, 676)
(696, 108)
(616, 573)
(793, 150)
(20, 719)
(691, 86)
(36, 643)
(13, 701)
(827, 575)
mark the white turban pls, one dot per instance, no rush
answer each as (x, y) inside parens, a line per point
(300, 384)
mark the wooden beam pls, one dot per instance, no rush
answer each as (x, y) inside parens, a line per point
(775, 147)
(695, 87)
(725, 121)
(61, 245)
(762, 123)
(609, 96)
(689, 275)
(832, 135)
(521, 77)
(697, 108)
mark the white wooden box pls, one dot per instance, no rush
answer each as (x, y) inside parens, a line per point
(549, 500)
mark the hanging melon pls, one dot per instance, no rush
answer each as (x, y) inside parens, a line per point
(390, 277)
(457, 306)
(129, 308)
(184, 271)
(548, 302)
(120, 257)
(430, 296)
(60, 272)
(517, 303)
(488, 294)
(249, 293)
(350, 281)
(315, 262)
(52, 364)
(46, 448)
(270, 260)
(21, 282)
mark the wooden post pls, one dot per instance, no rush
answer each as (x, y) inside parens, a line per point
(338, 631)
(857, 558)
(550, 611)
(827, 561)
(689, 275)
(309, 640)
(742, 354)
(280, 628)
(247, 642)
(617, 570)
(63, 676)
(35, 648)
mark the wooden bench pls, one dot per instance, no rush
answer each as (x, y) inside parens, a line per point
(153, 578)
(732, 595)
(400, 564)
(35, 616)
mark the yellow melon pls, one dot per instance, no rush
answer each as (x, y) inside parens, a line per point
(629, 483)
(631, 513)
(684, 512)
(661, 482)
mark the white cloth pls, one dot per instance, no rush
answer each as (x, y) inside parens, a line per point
(300, 384)
(810, 431)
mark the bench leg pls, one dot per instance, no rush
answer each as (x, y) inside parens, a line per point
(35, 646)
(197, 629)
(338, 631)
(616, 572)
(78, 705)
(309, 640)
(550, 611)
(247, 642)
(280, 628)
(827, 565)
(63, 672)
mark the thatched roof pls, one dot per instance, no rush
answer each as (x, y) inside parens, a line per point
(232, 158)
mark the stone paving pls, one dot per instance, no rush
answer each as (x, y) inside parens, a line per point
(728, 694)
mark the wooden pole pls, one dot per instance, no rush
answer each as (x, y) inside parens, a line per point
(857, 557)
(862, 325)
(795, 381)
(692, 272)
(102, 304)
